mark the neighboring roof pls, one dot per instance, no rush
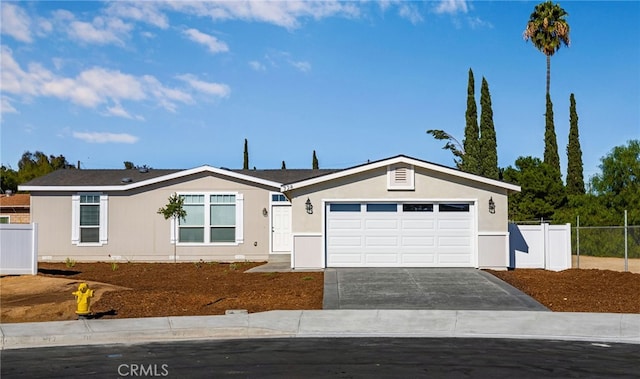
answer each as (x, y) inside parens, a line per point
(18, 200)
(407, 160)
(124, 179)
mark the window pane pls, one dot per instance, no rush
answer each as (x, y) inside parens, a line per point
(89, 215)
(382, 207)
(417, 207)
(453, 207)
(193, 199)
(223, 234)
(223, 214)
(4, 220)
(223, 199)
(195, 215)
(89, 234)
(191, 234)
(344, 207)
(89, 199)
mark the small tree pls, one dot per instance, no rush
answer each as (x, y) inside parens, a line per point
(284, 166)
(175, 210)
(314, 163)
(488, 145)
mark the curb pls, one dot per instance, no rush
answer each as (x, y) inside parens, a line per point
(596, 327)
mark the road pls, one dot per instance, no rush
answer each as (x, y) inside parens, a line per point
(329, 357)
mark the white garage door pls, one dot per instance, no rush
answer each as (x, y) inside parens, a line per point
(399, 235)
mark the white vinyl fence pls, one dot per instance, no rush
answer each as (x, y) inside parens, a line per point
(540, 246)
(18, 249)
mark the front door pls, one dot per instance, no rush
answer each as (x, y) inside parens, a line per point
(281, 228)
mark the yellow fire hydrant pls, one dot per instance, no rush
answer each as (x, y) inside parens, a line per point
(83, 299)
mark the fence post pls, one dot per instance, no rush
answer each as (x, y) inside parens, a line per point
(578, 241)
(626, 245)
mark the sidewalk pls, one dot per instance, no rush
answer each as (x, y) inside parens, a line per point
(593, 327)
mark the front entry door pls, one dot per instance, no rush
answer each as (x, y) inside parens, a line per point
(281, 228)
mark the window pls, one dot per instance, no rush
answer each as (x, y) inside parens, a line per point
(89, 219)
(344, 207)
(211, 218)
(4, 220)
(453, 207)
(417, 207)
(382, 207)
(278, 198)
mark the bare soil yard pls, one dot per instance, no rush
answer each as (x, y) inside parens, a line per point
(180, 289)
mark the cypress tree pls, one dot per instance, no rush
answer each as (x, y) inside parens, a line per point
(575, 178)
(550, 144)
(284, 166)
(314, 163)
(471, 159)
(245, 165)
(488, 144)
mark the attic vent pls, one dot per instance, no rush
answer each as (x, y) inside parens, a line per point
(400, 177)
(126, 180)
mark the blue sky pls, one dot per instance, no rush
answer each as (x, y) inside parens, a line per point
(179, 85)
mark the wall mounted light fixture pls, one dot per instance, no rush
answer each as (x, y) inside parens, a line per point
(492, 206)
(308, 206)
(264, 212)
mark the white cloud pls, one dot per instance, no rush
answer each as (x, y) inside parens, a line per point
(5, 105)
(15, 22)
(282, 13)
(143, 11)
(97, 137)
(217, 89)
(451, 7)
(90, 88)
(257, 66)
(410, 12)
(301, 65)
(101, 31)
(212, 43)
(118, 111)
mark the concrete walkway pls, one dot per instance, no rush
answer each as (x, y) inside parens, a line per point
(594, 327)
(422, 288)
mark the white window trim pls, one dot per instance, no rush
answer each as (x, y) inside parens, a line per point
(207, 221)
(75, 220)
(391, 182)
(8, 217)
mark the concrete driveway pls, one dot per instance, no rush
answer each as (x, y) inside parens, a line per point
(422, 288)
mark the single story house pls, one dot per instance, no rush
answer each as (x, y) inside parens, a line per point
(15, 208)
(394, 212)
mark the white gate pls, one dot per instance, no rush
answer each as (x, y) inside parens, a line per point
(540, 246)
(18, 249)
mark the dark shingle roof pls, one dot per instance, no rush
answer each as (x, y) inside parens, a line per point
(74, 177)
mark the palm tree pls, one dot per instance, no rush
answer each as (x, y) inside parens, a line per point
(548, 31)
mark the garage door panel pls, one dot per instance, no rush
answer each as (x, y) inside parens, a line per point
(346, 258)
(347, 224)
(345, 241)
(418, 241)
(386, 258)
(373, 241)
(444, 241)
(422, 225)
(381, 224)
(418, 259)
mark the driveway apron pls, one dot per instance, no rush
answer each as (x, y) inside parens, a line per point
(422, 288)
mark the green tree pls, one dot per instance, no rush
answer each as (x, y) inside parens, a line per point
(175, 210)
(548, 30)
(540, 195)
(470, 159)
(314, 162)
(33, 165)
(8, 179)
(284, 166)
(619, 182)
(245, 165)
(129, 165)
(575, 177)
(551, 156)
(488, 144)
(452, 144)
